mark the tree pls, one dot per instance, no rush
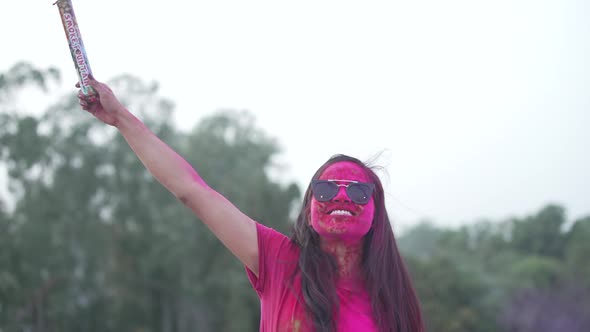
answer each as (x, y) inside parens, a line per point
(541, 234)
(489, 272)
(451, 297)
(23, 74)
(421, 241)
(578, 251)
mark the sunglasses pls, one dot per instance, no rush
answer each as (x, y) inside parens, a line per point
(358, 192)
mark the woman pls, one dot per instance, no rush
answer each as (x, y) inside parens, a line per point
(341, 269)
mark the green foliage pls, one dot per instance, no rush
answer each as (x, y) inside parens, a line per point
(535, 272)
(541, 234)
(482, 276)
(23, 74)
(450, 296)
(421, 241)
(578, 251)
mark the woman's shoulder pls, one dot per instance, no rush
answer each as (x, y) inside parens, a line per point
(277, 260)
(275, 243)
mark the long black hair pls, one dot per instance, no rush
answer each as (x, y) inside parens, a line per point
(393, 298)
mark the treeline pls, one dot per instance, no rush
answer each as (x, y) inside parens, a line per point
(520, 275)
(90, 242)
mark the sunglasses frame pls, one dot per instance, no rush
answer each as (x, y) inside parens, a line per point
(346, 185)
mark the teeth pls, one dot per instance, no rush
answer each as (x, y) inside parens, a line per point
(341, 213)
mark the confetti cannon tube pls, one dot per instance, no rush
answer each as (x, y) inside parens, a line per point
(68, 19)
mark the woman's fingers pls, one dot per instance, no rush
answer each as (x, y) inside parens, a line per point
(84, 104)
(88, 98)
(92, 103)
(97, 86)
(83, 97)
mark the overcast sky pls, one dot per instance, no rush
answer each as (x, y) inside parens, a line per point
(481, 108)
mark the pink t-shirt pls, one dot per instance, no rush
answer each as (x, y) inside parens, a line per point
(281, 302)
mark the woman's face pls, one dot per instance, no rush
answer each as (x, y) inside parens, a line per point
(340, 218)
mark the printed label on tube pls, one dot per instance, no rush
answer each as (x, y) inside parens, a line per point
(68, 19)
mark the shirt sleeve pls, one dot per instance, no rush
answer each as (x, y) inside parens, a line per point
(270, 246)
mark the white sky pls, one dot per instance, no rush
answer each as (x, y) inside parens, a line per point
(481, 107)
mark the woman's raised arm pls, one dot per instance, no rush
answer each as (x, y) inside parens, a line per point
(233, 228)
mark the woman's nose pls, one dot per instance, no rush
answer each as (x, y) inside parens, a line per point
(341, 196)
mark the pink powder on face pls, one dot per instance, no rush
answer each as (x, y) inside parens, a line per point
(348, 229)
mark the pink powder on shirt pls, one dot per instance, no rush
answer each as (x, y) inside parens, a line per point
(281, 302)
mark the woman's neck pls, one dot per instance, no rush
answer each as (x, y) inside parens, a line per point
(348, 257)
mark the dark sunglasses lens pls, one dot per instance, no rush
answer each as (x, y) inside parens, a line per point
(324, 191)
(359, 193)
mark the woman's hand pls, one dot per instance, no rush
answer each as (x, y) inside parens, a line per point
(103, 105)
